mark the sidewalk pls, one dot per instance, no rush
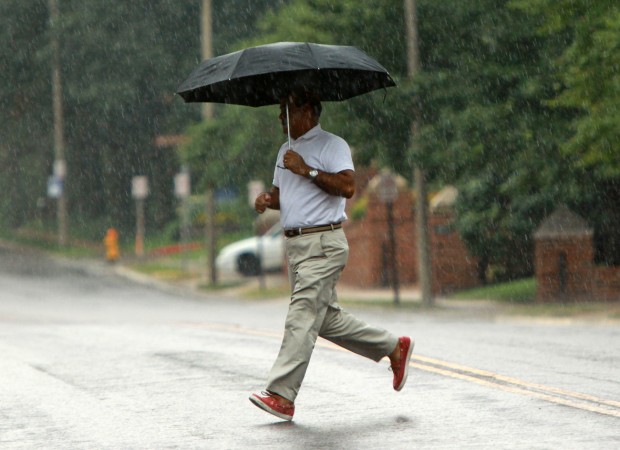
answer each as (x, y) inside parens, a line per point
(270, 286)
(192, 281)
(275, 287)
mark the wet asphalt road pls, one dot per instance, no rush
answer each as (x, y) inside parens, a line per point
(92, 360)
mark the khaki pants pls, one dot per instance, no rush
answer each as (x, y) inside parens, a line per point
(315, 264)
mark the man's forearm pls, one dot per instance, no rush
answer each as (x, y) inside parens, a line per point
(341, 184)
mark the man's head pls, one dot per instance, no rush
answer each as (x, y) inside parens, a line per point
(304, 111)
(302, 95)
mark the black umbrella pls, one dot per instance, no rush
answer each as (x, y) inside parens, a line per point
(259, 76)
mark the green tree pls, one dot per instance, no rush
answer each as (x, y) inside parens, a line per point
(590, 83)
(239, 145)
(25, 145)
(483, 95)
(121, 64)
(488, 126)
(590, 75)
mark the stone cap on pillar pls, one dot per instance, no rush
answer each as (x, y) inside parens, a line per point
(375, 182)
(444, 200)
(563, 223)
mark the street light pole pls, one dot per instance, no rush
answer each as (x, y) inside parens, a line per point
(387, 192)
(424, 257)
(59, 141)
(140, 191)
(206, 42)
(206, 46)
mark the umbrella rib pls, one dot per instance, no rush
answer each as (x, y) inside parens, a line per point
(313, 55)
(232, 71)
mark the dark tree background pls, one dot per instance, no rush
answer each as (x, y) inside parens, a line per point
(519, 102)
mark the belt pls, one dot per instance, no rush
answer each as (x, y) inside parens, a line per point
(292, 232)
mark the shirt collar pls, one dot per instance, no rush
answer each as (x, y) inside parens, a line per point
(312, 132)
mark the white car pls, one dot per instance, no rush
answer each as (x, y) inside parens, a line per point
(242, 256)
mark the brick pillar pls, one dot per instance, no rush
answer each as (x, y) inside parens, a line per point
(564, 258)
(453, 267)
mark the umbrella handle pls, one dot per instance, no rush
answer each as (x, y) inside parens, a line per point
(288, 127)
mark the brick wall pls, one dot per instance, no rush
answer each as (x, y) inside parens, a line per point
(606, 283)
(369, 244)
(564, 268)
(564, 261)
(452, 266)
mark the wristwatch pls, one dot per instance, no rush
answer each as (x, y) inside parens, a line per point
(313, 174)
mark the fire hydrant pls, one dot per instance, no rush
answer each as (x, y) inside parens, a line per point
(110, 241)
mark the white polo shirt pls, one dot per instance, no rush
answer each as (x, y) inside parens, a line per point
(303, 203)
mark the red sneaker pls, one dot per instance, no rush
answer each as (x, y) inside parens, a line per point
(269, 403)
(401, 369)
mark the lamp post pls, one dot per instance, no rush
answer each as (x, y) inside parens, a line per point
(182, 190)
(255, 187)
(387, 192)
(206, 50)
(419, 176)
(60, 168)
(140, 191)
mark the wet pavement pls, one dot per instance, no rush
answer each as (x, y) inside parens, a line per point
(91, 359)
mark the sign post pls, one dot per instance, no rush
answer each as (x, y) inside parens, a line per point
(182, 190)
(139, 191)
(255, 187)
(388, 192)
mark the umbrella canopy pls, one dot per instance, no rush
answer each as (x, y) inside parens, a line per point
(261, 75)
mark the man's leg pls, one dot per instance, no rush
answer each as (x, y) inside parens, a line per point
(355, 335)
(315, 275)
(347, 331)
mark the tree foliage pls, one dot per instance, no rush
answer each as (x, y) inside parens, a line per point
(518, 102)
(121, 64)
(488, 127)
(589, 73)
(25, 126)
(237, 146)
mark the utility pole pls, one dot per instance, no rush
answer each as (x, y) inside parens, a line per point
(206, 45)
(59, 141)
(206, 42)
(424, 257)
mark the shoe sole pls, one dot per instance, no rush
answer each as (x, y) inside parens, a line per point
(404, 380)
(266, 408)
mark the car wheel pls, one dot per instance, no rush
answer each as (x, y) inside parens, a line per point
(248, 265)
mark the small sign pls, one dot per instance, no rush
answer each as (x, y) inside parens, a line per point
(387, 190)
(182, 185)
(255, 187)
(140, 187)
(54, 187)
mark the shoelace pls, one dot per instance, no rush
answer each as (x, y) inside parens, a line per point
(269, 394)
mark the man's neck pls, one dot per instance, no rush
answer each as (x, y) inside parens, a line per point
(305, 129)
